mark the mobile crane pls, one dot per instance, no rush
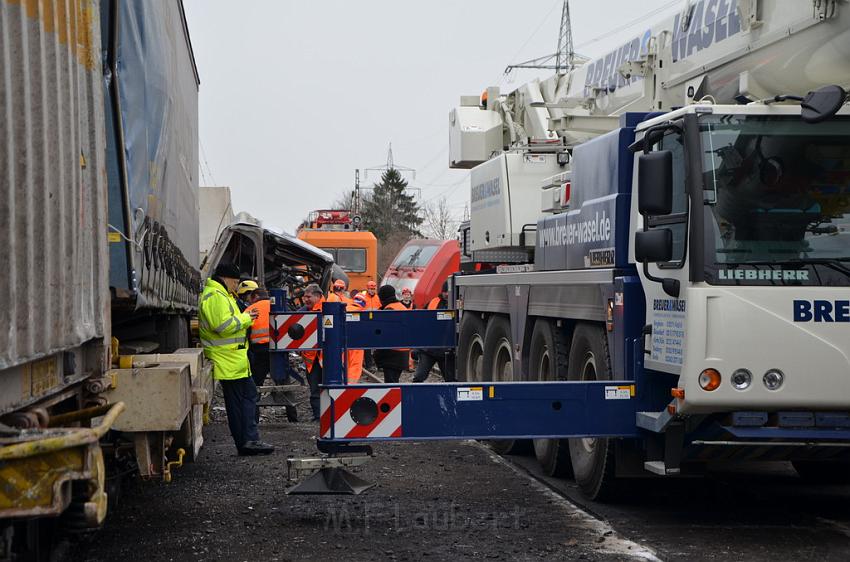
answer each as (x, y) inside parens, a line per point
(651, 335)
(751, 237)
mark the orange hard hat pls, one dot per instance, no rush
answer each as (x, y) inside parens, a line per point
(339, 283)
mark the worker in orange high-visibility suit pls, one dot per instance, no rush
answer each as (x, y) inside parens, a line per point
(258, 341)
(391, 361)
(373, 302)
(441, 300)
(354, 357)
(313, 299)
(407, 302)
(370, 302)
(442, 357)
(338, 293)
(407, 298)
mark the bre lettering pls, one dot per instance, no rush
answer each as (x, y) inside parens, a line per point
(821, 311)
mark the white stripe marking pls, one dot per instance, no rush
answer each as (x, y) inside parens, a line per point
(389, 424)
(324, 406)
(304, 321)
(377, 394)
(346, 423)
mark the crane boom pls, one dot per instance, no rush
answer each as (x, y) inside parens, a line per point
(733, 51)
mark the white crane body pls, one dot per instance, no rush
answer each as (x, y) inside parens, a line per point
(657, 212)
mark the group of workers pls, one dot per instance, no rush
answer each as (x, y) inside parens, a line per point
(235, 336)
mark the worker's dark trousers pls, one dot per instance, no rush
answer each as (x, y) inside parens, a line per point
(426, 363)
(391, 375)
(258, 356)
(314, 378)
(240, 401)
(368, 360)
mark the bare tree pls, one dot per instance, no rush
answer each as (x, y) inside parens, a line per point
(438, 221)
(344, 201)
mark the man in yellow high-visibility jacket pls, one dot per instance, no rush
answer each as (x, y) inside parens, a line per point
(223, 331)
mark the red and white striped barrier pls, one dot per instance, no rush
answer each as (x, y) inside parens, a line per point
(359, 413)
(307, 334)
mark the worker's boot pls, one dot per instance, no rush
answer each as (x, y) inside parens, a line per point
(256, 448)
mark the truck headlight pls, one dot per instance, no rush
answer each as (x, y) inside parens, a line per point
(741, 379)
(773, 379)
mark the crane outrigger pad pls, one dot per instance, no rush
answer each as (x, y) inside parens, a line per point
(331, 481)
(331, 476)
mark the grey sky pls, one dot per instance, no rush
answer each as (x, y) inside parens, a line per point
(297, 94)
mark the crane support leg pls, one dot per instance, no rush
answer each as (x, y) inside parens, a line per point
(454, 411)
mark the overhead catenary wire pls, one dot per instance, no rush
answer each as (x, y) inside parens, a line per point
(629, 24)
(451, 188)
(433, 159)
(207, 164)
(534, 33)
(203, 175)
(609, 33)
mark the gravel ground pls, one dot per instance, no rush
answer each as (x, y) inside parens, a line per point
(435, 501)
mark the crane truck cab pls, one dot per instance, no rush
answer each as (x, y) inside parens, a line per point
(742, 227)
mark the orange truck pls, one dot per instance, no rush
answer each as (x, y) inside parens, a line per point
(355, 251)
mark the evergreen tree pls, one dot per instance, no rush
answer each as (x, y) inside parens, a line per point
(389, 211)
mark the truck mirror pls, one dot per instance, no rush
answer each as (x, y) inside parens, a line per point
(652, 246)
(653, 137)
(822, 104)
(655, 183)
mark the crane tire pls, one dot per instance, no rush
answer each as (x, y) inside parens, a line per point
(593, 459)
(549, 358)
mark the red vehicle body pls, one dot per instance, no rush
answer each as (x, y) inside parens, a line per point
(422, 266)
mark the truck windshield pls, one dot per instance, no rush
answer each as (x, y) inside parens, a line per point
(777, 200)
(415, 255)
(351, 259)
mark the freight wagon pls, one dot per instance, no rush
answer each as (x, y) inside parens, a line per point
(99, 214)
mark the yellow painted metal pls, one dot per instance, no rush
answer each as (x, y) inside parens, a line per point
(166, 472)
(121, 361)
(79, 415)
(72, 22)
(35, 473)
(72, 437)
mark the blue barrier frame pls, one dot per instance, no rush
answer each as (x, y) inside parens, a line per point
(364, 413)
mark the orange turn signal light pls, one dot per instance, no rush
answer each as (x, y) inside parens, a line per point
(709, 379)
(678, 393)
